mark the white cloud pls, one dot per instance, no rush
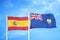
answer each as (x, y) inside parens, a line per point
(46, 6)
(16, 33)
(43, 9)
(58, 0)
(36, 2)
(50, 7)
(56, 14)
(35, 10)
(22, 12)
(44, 2)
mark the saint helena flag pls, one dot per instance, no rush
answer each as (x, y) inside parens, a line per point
(42, 21)
(17, 23)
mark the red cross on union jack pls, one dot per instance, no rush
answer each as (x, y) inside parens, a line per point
(36, 16)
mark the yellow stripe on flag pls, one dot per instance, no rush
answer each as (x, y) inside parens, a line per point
(18, 23)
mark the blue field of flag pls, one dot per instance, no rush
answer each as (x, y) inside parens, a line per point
(43, 21)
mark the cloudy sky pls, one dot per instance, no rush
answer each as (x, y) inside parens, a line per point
(19, 8)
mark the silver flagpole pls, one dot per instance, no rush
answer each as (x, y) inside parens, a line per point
(6, 26)
(28, 23)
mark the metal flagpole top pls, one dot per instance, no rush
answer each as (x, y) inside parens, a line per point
(28, 9)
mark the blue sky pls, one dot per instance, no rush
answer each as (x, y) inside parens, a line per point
(19, 8)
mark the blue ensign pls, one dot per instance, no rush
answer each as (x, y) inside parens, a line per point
(42, 21)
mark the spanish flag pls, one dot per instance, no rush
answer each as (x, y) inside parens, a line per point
(18, 23)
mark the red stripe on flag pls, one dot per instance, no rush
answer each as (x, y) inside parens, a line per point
(17, 28)
(17, 18)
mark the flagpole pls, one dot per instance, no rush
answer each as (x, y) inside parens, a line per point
(6, 27)
(29, 23)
